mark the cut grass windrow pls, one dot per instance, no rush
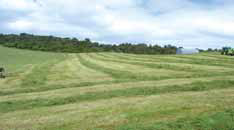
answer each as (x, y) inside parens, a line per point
(38, 75)
(44, 88)
(9, 106)
(191, 71)
(118, 85)
(119, 74)
(145, 64)
(219, 62)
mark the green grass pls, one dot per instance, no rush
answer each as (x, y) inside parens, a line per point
(116, 91)
(15, 60)
(219, 121)
(9, 106)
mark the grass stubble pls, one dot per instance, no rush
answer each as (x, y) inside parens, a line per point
(116, 91)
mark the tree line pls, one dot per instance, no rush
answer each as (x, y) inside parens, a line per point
(73, 45)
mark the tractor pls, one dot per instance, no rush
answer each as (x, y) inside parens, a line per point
(228, 51)
(231, 52)
(2, 73)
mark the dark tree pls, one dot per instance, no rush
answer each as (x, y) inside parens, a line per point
(73, 45)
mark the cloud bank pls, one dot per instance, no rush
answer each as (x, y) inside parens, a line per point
(188, 23)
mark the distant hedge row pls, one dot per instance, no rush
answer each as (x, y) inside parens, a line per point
(73, 45)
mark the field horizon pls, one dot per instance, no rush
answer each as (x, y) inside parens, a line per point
(115, 91)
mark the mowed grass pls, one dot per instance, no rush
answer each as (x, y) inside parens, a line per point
(115, 91)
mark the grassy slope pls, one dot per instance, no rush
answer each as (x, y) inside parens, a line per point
(15, 59)
(116, 91)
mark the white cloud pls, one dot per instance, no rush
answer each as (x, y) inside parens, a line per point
(20, 5)
(168, 21)
(20, 25)
(166, 5)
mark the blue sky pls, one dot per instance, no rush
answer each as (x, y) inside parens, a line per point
(188, 23)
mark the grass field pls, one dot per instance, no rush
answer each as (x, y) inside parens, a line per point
(115, 91)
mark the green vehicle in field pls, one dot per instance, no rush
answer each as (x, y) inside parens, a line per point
(2, 72)
(228, 51)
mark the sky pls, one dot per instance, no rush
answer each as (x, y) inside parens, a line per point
(188, 23)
